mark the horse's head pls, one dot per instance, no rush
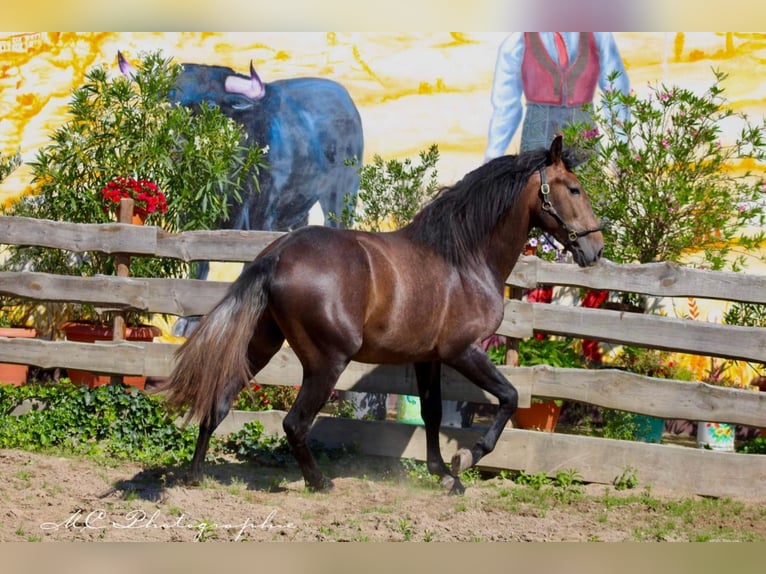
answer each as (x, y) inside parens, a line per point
(564, 211)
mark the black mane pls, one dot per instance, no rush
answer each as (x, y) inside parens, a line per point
(460, 217)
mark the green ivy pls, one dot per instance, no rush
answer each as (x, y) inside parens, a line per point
(114, 420)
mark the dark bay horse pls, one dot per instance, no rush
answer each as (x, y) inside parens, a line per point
(427, 294)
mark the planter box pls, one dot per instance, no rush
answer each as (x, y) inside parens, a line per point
(11, 373)
(82, 332)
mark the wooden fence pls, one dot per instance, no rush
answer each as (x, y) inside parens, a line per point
(596, 459)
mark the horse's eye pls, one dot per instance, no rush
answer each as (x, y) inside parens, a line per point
(574, 190)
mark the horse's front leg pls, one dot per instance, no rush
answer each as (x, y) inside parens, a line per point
(428, 376)
(477, 368)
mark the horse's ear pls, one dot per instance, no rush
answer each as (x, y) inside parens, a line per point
(556, 150)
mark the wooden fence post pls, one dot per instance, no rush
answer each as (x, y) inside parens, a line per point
(124, 215)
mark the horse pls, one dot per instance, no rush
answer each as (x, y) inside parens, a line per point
(427, 293)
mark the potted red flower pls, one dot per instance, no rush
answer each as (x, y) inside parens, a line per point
(145, 194)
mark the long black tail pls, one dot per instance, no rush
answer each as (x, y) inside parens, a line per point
(214, 359)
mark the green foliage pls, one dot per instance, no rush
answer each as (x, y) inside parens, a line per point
(755, 445)
(391, 192)
(419, 474)
(8, 163)
(118, 127)
(266, 397)
(620, 425)
(746, 315)
(652, 363)
(535, 481)
(623, 425)
(660, 174)
(344, 410)
(497, 351)
(554, 352)
(251, 443)
(114, 420)
(627, 480)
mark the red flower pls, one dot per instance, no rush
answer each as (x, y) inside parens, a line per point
(147, 196)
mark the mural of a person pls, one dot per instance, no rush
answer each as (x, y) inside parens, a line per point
(554, 75)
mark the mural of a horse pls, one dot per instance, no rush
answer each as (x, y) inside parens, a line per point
(427, 294)
(311, 127)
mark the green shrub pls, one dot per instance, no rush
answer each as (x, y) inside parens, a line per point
(114, 420)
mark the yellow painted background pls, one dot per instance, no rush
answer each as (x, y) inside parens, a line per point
(412, 89)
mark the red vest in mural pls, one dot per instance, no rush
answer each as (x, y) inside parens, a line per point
(544, 81)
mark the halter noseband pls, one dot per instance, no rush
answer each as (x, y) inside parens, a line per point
(572, 235)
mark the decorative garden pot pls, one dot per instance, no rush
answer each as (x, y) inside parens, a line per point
(84, 332)
(648, 428)
(11, 373)
(541, 415)
(716, 436)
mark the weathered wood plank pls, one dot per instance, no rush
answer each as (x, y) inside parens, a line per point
(664, 398)
(604, 387)
(597, 460)
(185, 297)
(696, 337)
(660, 279)
(218, 245)
(182, 297)
(78, 237)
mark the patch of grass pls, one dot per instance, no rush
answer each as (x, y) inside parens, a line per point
(419, 475)
(627, 480)
(404, 527)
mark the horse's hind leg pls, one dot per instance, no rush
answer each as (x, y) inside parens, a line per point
(206, 429)
(317, 385)
(476, 367)
(263, 347)
(428, 376)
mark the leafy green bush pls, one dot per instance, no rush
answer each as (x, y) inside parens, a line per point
(652, 363)
(114, 420)
(8, 163)
(554, 352)
(251, 443)
(664, 179)
(118, 127)
(391, 192)
(266, 397)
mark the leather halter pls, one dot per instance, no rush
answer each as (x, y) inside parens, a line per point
(572, 235)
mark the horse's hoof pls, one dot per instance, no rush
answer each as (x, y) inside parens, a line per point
(324, 485)
(452, 484)
(191, 480)
(447, 482)
(457, 488)
(462, 460)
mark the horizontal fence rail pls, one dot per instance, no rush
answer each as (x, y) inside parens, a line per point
(597, 460)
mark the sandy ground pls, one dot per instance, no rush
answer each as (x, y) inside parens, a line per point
(50, 498)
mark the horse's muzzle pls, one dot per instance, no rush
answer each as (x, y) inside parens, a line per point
(586, 251)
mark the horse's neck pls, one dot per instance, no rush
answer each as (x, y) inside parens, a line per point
(507, 241)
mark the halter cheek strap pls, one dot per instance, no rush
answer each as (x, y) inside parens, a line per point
(547, 207)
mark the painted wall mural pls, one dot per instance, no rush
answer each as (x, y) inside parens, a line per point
(411, 89)
(398, 92)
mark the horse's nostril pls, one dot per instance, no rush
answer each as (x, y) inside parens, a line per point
(600, 253)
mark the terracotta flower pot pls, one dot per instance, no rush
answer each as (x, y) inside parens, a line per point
(84, 332)
(11, 373)
(541, 415)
